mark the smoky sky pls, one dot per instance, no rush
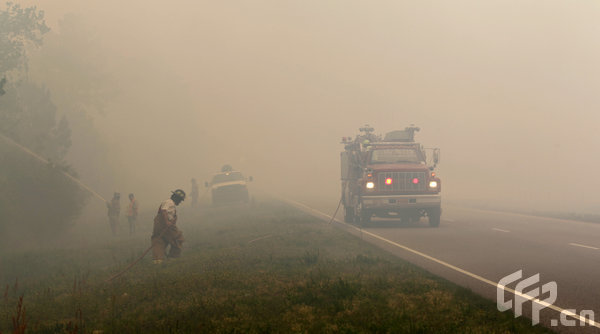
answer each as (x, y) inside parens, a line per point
(506, 89)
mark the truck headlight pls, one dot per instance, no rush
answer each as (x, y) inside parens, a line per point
(370, 185)
(432, 184)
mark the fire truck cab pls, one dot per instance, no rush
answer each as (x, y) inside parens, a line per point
(389, 177)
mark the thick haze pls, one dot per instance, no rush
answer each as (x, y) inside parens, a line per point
(507, 89)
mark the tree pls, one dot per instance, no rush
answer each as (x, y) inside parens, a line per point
(72, 63)
(18, 28)
(35, 199)
(28, 115)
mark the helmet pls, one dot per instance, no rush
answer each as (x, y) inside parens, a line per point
(179, 193)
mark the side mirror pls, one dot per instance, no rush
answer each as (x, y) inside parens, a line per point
(250, 178)
(206, 184)
(436, 156)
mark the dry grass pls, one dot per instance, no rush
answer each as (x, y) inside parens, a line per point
(266, 269)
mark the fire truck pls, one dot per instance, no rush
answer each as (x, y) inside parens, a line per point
(389, 177)
(229, 187)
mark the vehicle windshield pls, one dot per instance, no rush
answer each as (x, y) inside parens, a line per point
(394, 155)
(227, 177)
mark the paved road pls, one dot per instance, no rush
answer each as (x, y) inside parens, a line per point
(476, 248)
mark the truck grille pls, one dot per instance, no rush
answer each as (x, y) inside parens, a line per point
(401, 181)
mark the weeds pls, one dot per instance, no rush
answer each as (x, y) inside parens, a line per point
(19, 321)
(310, 257)
(310, 278)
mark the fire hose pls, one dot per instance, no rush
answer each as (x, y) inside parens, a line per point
(71, 177)
(137, 260)
(85, 187)
(143, 254)
(339, 203)
(336, 210)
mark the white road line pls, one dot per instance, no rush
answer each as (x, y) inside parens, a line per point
(584, 246)
(448, 265)
(500, 230)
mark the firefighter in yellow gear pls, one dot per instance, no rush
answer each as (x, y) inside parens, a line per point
(165, 231)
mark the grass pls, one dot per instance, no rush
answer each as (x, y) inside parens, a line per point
(575, 216)
(266, 269)
(584, 217)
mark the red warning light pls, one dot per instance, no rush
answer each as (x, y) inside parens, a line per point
(416, 181)
(388, 181)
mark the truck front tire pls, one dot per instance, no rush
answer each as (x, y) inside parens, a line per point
(434, 216)
(365, 219)
(362, 217)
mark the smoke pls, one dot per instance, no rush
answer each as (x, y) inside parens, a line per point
(506, 89)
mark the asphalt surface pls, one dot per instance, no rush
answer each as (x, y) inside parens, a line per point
(477, 248)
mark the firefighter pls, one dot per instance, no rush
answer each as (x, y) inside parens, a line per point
(132, 213)
(114, 210)
(165, 231)
(194, 193)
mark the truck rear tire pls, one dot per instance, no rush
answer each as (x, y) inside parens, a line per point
(434, 216)
(365, 219)
(348, 214)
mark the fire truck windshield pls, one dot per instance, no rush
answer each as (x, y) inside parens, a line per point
(394, 155)
(227, 177)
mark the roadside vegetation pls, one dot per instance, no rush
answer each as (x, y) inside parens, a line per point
(269, 268)
(576, 216)
(583, 217)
